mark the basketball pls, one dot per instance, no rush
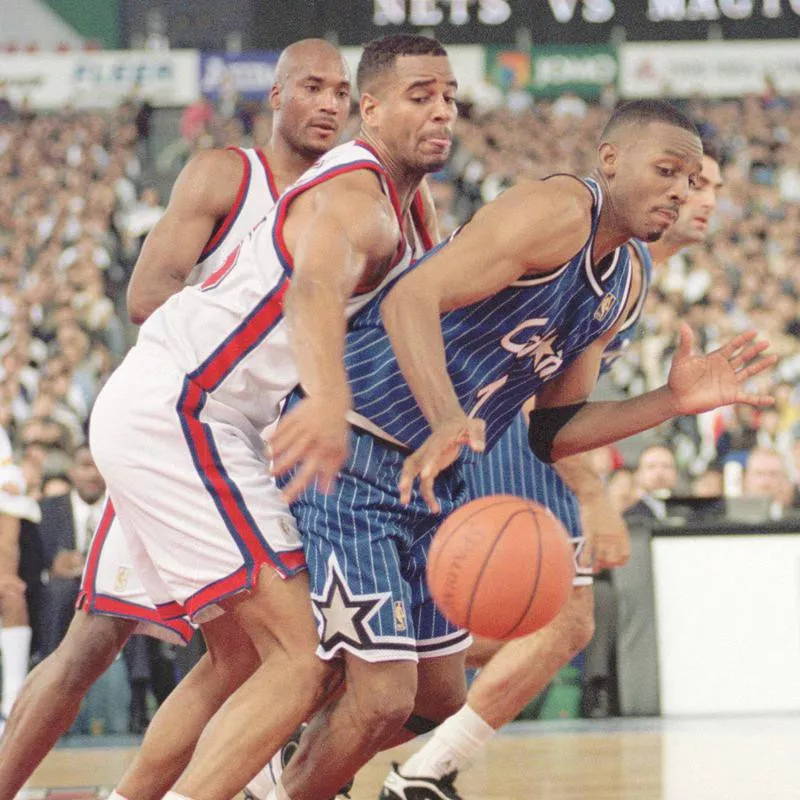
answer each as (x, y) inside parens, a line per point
(501, 566)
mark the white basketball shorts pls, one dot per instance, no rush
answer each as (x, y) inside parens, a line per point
(191, 488)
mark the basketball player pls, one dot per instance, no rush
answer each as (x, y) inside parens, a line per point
(175, 430)
(365, 546)
(218, 197)
(514, 673)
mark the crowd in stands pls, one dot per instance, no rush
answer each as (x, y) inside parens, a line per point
(75, 207)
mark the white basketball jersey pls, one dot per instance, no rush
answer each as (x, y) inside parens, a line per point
(256, 196)
(228, 333)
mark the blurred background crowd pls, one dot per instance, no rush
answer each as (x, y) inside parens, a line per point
(82, 189)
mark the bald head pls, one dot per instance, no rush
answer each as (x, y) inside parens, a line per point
(310, 98)
(300, 55)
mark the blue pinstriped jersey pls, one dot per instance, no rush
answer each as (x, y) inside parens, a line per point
(500, 350)
(511, 468)
(622, 340)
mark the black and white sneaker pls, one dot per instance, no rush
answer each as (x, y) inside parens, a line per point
(396, 787)
(266, 780)
(263, 783)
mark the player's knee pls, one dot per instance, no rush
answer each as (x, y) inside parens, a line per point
(383, 708)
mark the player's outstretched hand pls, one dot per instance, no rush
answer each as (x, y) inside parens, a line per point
(314, 437)
(703, 382)
(438, 452)
(608, 543)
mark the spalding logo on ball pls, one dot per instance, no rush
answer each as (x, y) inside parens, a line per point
(501, 567)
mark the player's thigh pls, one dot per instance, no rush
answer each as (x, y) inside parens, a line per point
(276, 614)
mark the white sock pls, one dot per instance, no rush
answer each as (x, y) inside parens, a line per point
(263, 784)
(15, 650)
(115, 795)
(453, 745)
(175, 796)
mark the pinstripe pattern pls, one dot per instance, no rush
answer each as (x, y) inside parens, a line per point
(499, 352)
(380, 551)
(511, 468)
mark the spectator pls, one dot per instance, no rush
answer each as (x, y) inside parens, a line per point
(68, 523)
(708, 484)
(765, 475)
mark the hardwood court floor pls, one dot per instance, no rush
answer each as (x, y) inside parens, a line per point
(737, 758)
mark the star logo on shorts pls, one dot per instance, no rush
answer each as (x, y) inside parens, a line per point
(344, 615)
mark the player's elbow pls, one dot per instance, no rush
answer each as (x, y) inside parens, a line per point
(408, 297)
(138, 309)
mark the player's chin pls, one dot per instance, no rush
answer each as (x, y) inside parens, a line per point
(652, 235)
(433, 164)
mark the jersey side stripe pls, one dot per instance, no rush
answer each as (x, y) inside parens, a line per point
(222, 229)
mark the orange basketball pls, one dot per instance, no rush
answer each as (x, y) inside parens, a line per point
(501, 566)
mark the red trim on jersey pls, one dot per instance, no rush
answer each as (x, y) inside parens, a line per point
(95, 548)
(283, 207)
(273, 187)
(216, 277)
(223, 227)
(418, 216)
(243, 339)
(90, 601)
(104, 604)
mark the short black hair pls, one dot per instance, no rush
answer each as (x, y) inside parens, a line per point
(379, 55)
(711, 149)
(642, 112)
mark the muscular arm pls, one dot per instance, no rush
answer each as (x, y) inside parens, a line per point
(336, 233)
(696, 383)
(203, 194)
(530, 228)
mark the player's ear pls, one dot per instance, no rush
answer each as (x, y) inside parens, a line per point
(370, 107)
(608, 157)
(275, 97)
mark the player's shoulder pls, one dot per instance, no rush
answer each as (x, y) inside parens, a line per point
(211, 179)
(562, 197)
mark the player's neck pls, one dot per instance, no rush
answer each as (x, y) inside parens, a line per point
(405, 183)
(285, 163)
(611, 230)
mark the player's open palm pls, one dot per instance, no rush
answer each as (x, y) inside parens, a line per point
(703, 382)
(314, 438)
(437, 453)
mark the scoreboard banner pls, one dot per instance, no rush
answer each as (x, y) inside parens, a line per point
(548, 22)
(712, 69)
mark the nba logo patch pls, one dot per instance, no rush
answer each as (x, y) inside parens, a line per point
(399, 616)
(121, 580)
(606, 304)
